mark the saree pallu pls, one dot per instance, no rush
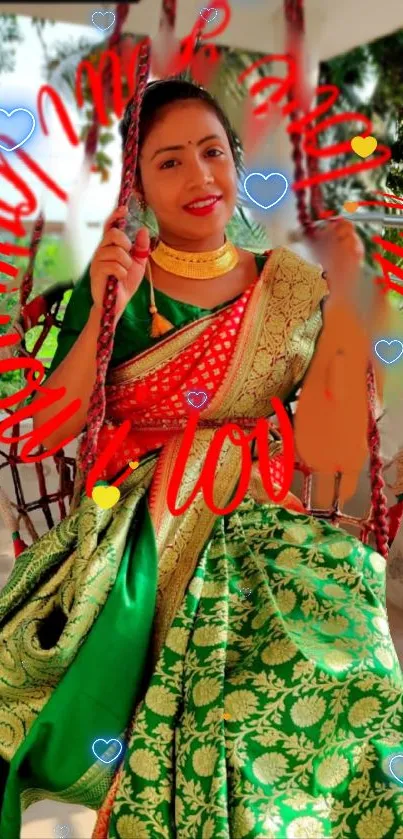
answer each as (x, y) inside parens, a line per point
(244, 661)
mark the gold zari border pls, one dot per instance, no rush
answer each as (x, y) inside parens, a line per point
(282, 321)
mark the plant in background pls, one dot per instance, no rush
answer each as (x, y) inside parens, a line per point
(378, 63)
(47, 265)
(10, 36)
(61, 68)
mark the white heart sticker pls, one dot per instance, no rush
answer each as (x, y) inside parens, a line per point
(104, 26)
(209, 17)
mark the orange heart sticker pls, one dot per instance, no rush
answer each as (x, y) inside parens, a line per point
(350, 206)
(133, 464)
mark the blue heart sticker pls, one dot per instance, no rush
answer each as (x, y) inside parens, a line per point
(396, 767)
(266, 179)
(96, 748)
(7, 128)
(386, 353)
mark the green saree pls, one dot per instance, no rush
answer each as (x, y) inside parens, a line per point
(244, 662)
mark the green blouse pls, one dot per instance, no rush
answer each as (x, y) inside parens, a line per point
(132, 334)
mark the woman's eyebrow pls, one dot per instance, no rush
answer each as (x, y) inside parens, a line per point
(178, 148)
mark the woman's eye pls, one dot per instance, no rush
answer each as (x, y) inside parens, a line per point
(168, 164)
(214, 152)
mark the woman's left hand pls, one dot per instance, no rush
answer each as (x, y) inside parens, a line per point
(332, 412)
(339, 249)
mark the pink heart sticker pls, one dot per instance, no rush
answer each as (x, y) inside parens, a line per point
(208, 19)
(196, 398)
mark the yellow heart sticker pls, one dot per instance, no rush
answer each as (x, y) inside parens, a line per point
(364, 146)
(350, 206)
(105, 497)
(133, 464)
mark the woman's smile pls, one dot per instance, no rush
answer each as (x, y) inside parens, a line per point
(203, 206)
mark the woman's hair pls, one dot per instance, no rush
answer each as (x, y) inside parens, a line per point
(158, 95)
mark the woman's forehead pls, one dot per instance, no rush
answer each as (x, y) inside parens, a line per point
(182, 123)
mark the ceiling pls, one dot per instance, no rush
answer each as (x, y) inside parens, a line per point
(258, 25)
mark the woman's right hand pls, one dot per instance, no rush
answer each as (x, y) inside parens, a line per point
(116, 255)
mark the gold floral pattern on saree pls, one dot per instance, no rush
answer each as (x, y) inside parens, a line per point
(262, 721)
(74, 567)
(282, 320)
(282, 323)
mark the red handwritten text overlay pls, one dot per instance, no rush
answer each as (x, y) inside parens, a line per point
(260, 434)
(34, 370)
(304, 126)
(238, 438)
(33, 366)
(385, 281)
(178, 64)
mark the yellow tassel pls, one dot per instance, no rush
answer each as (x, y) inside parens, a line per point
(159, 325)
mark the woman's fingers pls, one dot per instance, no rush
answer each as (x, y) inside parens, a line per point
(112, 253)
(141, 247)
(115, 269)
(120, 212)
(113, 236)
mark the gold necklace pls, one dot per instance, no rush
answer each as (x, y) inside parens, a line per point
(196, 266)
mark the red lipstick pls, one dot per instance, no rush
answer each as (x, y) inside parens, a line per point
(202, 206)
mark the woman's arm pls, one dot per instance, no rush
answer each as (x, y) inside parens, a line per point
(332, 412)
(77, 371)
(77, 374)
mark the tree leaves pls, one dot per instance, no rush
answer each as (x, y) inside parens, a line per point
(9, 35)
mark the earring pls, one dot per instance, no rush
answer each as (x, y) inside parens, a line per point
(142, 203)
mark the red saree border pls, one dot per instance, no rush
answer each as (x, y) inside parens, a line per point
(194, 326)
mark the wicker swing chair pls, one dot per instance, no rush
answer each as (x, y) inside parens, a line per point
(43, 312)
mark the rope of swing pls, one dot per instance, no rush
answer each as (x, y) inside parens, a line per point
(97, 405)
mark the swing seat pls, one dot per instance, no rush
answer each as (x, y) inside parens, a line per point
(16, 506)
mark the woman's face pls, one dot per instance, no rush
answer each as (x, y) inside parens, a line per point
(188, 173)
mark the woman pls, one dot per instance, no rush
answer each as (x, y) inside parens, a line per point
(245, 660)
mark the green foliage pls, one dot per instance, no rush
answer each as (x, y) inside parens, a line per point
(46, 271)
(9, 36)
(381, 59)
(61, 69)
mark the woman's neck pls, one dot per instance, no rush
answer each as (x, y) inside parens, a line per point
(209, 243)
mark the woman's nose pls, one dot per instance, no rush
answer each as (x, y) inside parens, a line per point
(199, 171)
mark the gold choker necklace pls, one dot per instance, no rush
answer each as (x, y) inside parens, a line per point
(196, 266)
